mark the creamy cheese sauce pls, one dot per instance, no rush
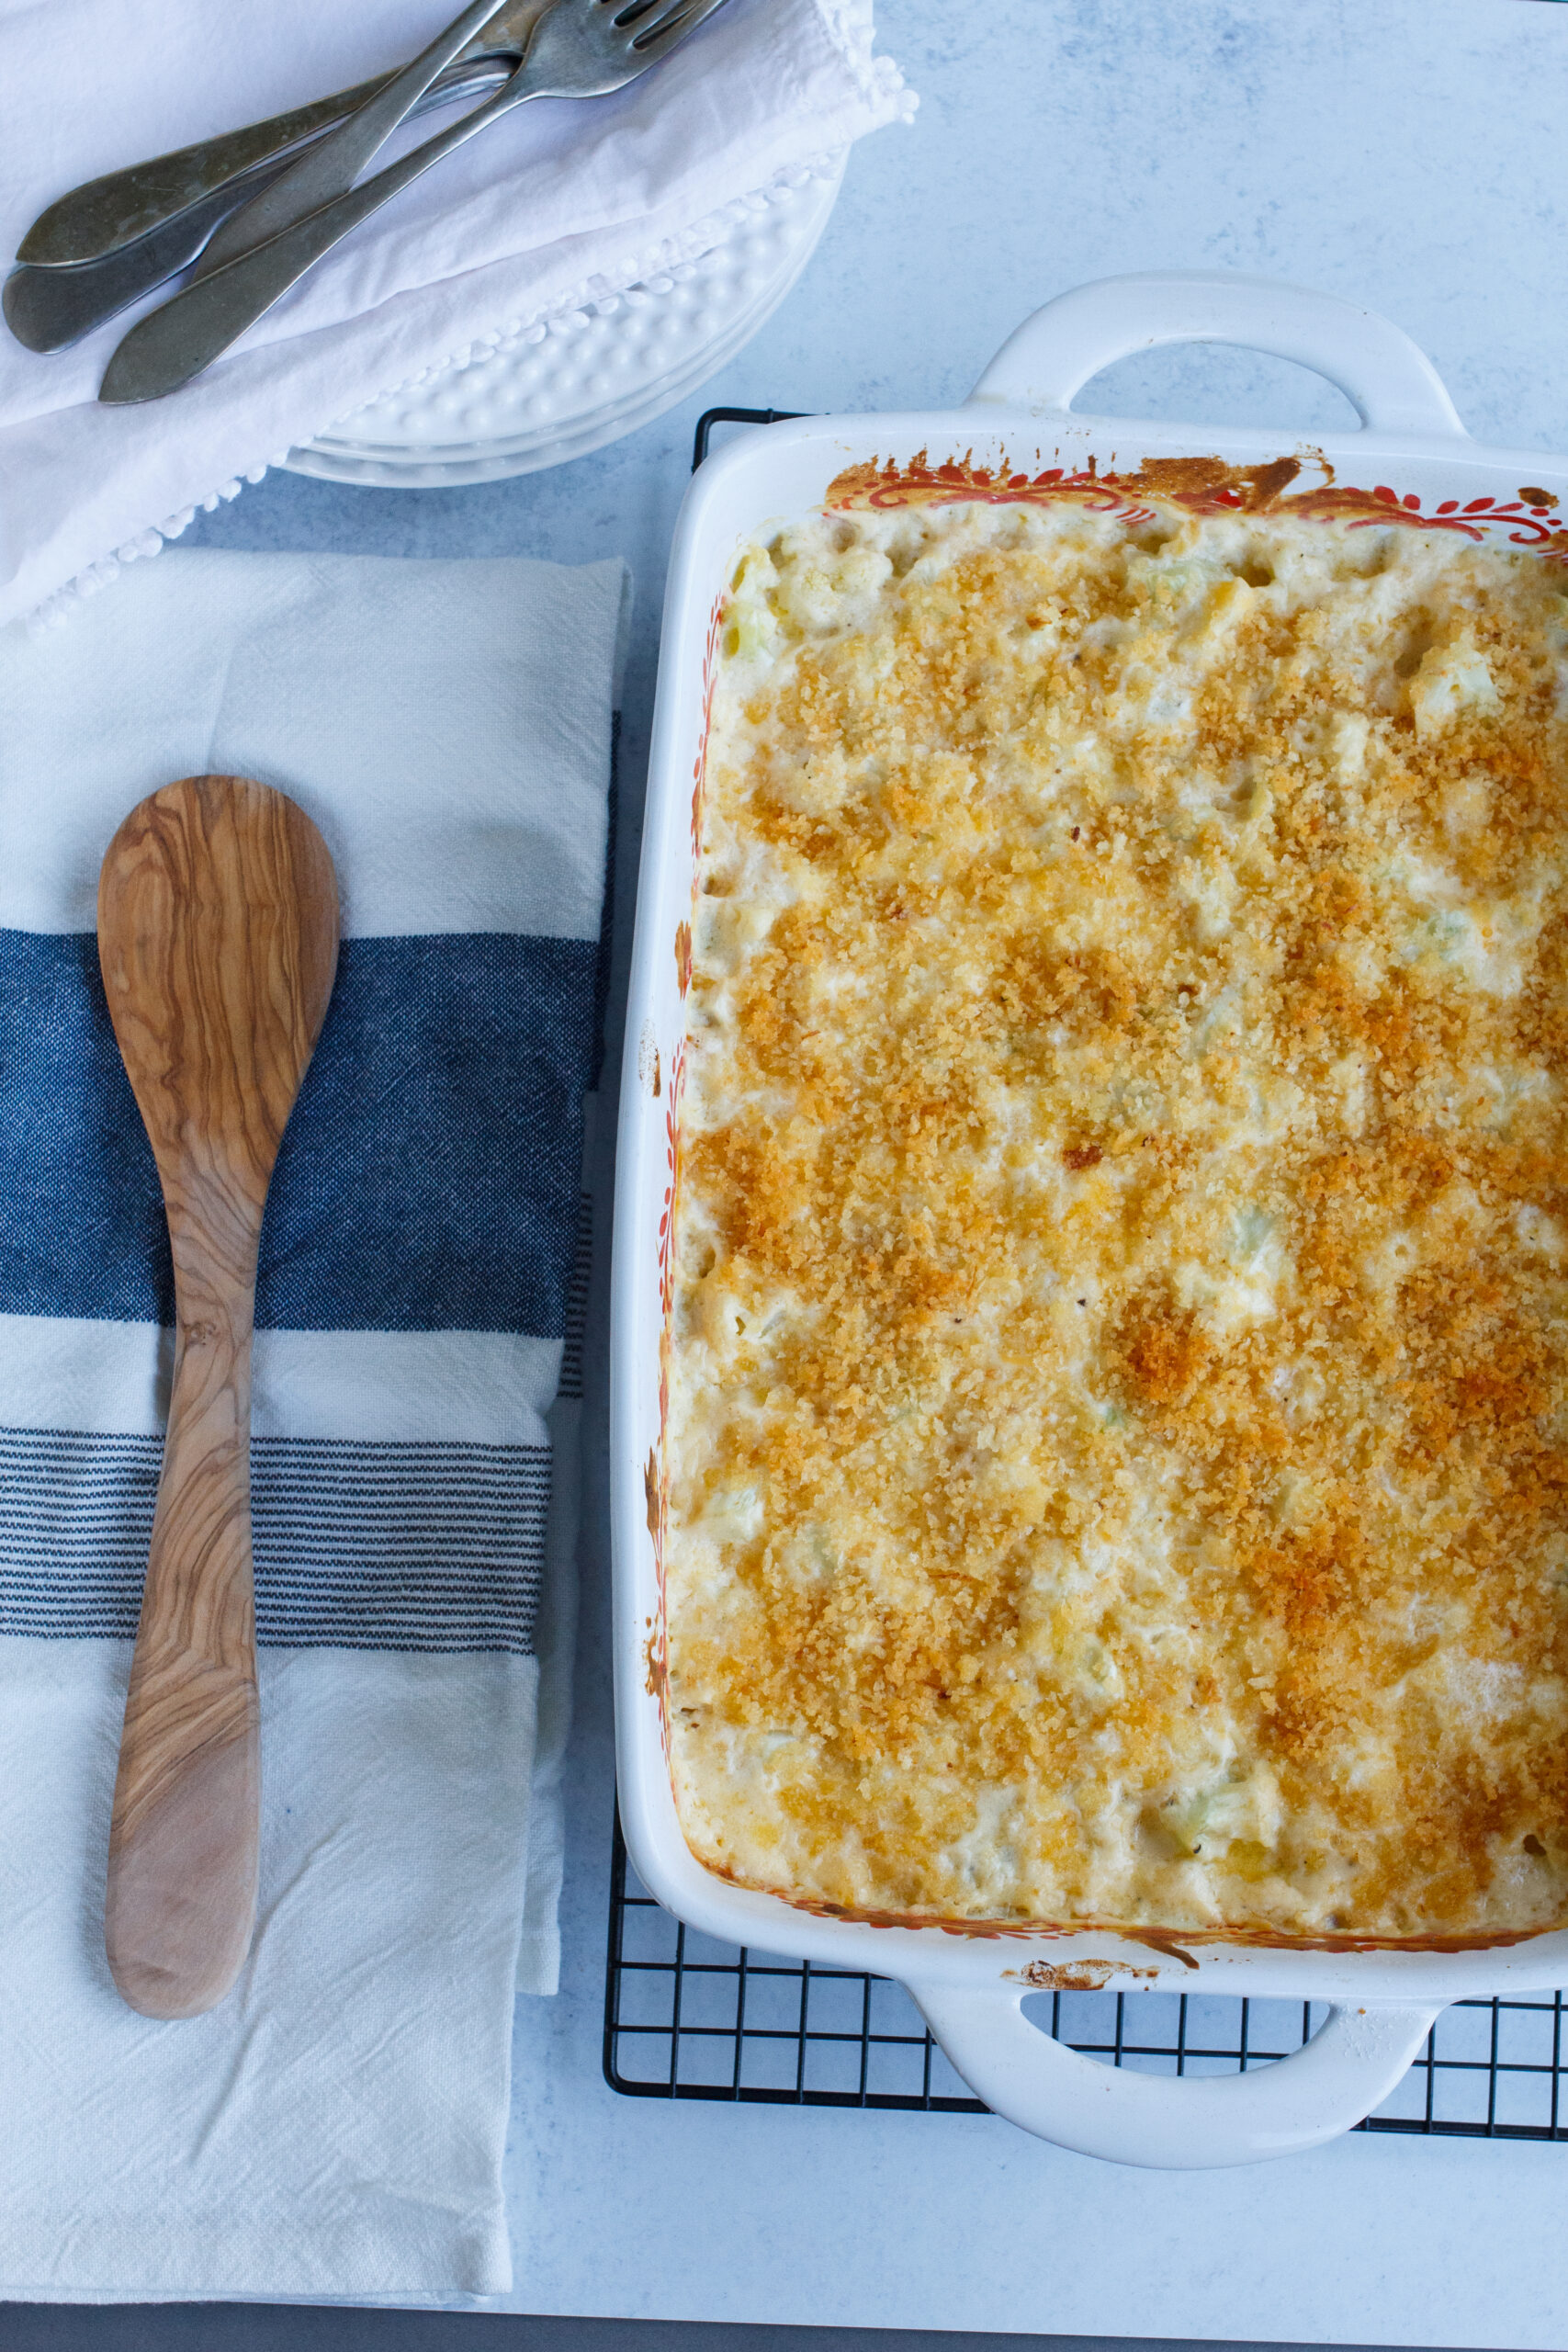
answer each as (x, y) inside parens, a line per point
(1117, 1447)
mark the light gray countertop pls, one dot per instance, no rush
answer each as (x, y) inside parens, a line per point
(1408, 154)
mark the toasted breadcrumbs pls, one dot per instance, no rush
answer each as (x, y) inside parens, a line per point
(1118, 1453)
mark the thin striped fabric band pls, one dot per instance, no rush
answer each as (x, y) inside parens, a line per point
(412, 1544)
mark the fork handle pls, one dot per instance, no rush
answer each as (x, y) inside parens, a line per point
(172, 345)
(103, 214)
(49, 309)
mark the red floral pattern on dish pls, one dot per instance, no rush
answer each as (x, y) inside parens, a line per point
(1199, 486)
(672, 1160)
(656, 1473)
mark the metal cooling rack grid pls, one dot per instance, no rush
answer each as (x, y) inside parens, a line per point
(687, 2017)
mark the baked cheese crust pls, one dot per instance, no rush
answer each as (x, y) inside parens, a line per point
(1117, 1448)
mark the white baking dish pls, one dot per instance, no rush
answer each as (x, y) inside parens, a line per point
(1412, 461)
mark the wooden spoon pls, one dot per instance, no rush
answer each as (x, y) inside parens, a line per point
(218, 933)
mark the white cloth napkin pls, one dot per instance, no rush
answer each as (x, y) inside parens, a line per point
(335, 2127)
(561, 203)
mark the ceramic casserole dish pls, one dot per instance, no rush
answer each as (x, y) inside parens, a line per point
(1017, 437)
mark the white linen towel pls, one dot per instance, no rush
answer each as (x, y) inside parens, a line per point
(335, 2127)
(559, 205)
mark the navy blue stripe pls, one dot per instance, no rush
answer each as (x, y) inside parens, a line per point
(434, 1546)
(429, 1178)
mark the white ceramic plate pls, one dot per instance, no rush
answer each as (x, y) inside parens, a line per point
(548, 393)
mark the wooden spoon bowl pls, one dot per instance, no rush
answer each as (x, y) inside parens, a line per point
(217, 936)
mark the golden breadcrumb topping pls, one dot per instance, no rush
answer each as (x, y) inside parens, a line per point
(1118, 1454)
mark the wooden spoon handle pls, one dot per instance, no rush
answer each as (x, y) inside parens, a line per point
(182, 1843)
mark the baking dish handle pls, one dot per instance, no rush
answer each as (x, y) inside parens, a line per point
(1166, 2121)
(1392, 383)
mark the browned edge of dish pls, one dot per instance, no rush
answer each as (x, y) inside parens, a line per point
(1170, 1941)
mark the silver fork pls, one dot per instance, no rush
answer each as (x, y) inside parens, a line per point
(330, 166)
(579, 49)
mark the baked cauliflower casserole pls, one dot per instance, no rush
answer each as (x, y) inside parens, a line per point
(1117, 1449)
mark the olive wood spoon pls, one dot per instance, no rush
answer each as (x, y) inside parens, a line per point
(217, 933)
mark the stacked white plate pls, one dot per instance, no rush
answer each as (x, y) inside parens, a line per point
(563, 387)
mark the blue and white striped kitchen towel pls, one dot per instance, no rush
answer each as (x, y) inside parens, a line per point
(336, 2126)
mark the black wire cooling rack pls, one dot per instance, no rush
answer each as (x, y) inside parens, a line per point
(688, 2018)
